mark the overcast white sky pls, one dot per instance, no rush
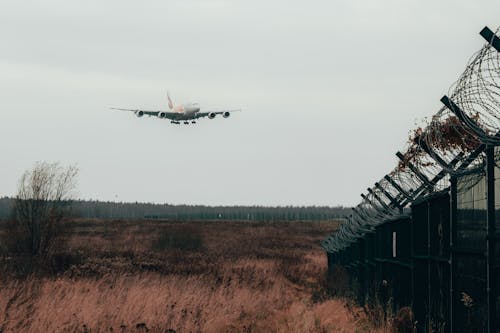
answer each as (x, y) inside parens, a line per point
(329, 89)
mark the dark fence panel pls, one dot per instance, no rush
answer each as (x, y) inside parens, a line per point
(431, 268)
(414, 261)
(420, 255)
(470, 297)
(497, 240)
(439, 266)
(379, 265)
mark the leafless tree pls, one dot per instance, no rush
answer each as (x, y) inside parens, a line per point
(40, 206)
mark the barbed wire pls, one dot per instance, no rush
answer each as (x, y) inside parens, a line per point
(451, 142)
(477, 93)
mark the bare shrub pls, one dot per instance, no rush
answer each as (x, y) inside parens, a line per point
(40, 206)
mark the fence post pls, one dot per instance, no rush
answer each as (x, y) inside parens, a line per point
(362, 272)
(412, 261)
(428, 260)
(490, 239)
(453, 238)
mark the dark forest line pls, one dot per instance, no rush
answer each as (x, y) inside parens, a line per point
(125, 210)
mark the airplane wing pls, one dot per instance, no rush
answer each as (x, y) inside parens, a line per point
(207, 113)
(169, 115)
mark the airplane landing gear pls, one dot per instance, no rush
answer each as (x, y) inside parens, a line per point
(186, 122)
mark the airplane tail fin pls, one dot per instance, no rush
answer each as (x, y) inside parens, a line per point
(170, 104)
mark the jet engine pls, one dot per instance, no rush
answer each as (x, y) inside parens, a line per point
(226, 114)
(161, 114)
(139, 113)
(211, 115)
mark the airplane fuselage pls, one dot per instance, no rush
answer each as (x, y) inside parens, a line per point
(188, 109)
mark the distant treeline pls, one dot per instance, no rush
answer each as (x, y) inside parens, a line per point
(119, 210)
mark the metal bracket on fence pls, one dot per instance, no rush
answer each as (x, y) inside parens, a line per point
(481, 148)
(369, 201)
(362, 217)
(420, 191)
(397, 187)
(399, 199)
(444, 172)
(491, 38)
(421, 176)
(432, 154)
(378, 199)
(393, 200)
(354, 229)
(373, 205)
(468, 121)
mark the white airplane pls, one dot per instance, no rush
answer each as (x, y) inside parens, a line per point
(187, 112)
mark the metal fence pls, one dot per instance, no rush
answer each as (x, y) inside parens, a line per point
(475, 255)
(425, 236)
(431, 268)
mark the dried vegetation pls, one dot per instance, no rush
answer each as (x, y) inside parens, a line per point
(163, 276)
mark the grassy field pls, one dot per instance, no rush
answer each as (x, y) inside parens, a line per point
(164, 276)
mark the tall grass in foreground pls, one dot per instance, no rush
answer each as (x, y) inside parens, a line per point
(243, 277)
(160, 303)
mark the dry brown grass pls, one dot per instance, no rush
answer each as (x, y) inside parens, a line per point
(230, 277)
